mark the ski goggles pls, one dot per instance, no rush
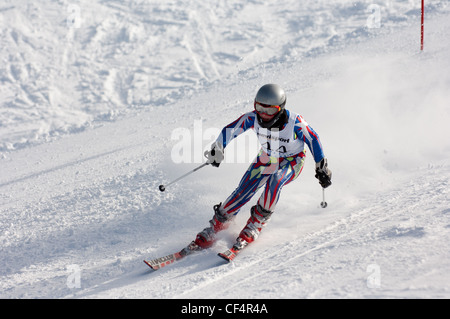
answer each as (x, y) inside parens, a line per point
(266, 108)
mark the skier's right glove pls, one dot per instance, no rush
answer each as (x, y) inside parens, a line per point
(323, 173)
(215, 155)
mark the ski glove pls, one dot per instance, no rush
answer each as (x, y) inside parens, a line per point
(323, 173)
(215, 155)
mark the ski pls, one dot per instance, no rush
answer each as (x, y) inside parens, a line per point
(229, 254)
(161, 262)
(158, 263)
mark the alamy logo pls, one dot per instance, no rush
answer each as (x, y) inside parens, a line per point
(74, 278)
(190, 145)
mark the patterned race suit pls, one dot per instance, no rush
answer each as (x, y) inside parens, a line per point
(279, 162)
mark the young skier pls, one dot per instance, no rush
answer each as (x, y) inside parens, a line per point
(283, 135)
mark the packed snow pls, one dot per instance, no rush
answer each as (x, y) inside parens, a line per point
(103, 101)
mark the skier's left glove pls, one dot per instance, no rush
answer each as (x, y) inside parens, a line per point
(323, 173)
(215, 155)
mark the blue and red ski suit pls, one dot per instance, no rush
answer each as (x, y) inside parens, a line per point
(278, 163)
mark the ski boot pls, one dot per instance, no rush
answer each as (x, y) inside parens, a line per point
(259, 216)
(220, 221)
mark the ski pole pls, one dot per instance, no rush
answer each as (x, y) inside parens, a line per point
(162, 188)
(323, 204)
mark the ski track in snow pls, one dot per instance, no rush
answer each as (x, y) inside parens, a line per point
(330, 263)
(87, 128)
(369, 226)
(68, 66)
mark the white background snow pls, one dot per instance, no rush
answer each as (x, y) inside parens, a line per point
(95, 96)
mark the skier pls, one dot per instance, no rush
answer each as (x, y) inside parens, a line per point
(283, 135)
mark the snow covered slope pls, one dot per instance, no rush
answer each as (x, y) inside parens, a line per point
(95, 97)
